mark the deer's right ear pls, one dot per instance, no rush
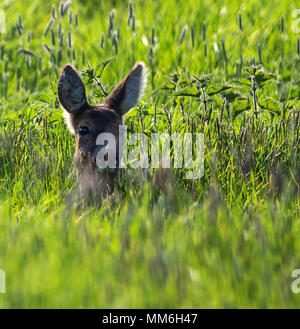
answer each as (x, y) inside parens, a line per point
(71, 90)
(128, 92)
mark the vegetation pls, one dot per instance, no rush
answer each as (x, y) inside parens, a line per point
(224, 69)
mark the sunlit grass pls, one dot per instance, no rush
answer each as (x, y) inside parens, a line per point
(230, 239)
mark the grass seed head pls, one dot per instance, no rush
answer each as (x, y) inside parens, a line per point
(53, 11)
(70, 16)
(69, 39)
(182, 35)
(204, 31)
(64, 7)
(282, 24)
(240, 22)
(48, 26)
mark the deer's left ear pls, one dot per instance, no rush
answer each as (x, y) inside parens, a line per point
(128, 92)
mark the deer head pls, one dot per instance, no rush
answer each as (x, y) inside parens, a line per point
(87, 122)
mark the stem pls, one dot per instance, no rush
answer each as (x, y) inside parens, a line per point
(182, 112)
(254, 95)
(204, 100)
(100, 85)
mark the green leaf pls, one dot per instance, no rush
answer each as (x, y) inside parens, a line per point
(252, 69)
(91, 73)
(203, 79)
(261, 77)
(243, 81)
(133, 113)
(216, 89)
(102, 66)
(240, 106)
(168, 86)
(270, 104)
(233, 95)
(186, 83)
(191, 92)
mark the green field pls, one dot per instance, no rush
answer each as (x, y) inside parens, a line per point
(227, 240)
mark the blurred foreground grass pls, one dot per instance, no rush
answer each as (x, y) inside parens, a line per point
(230, 239)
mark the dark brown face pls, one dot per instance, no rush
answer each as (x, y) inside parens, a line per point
(88, 122)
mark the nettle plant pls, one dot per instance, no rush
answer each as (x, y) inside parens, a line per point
(233, 97)
(93, 75)
(255, 78)
(196, 87)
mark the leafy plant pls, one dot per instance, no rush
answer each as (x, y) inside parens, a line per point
(93, 75)
(255, 79)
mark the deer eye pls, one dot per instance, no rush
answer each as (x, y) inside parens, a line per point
(83, 131)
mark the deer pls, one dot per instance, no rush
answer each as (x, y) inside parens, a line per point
(86, 122)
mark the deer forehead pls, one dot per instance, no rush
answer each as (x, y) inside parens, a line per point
(97, 118)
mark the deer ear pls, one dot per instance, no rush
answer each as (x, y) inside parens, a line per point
(128, 92)
(71, 90)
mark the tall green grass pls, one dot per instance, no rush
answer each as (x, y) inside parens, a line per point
(230, 239)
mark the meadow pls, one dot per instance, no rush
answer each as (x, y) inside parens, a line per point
(226, 69)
